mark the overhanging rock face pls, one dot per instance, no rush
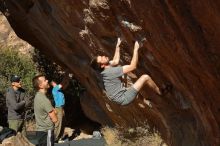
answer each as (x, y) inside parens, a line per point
(181, 47)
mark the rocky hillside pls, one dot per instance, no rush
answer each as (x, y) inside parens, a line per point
(181, 47)
(8, 38)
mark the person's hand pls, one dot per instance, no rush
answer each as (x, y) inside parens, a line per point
(28, 102)
(55, 111)
(63, 112)
(118, 42)
(136, 45)
(70, 75)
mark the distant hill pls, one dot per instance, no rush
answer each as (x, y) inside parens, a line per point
(8, 38)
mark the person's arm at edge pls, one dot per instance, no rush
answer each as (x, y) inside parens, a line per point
(116, 57)
(53, 116)
(12, 100)
(134, 60)
(65, 82)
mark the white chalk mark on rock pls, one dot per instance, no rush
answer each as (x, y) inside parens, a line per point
(131, 26)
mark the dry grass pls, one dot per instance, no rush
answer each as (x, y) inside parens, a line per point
(30, 125)
(111, 136)
(139, 136)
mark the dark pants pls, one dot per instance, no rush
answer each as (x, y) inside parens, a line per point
(50, 138)
(17, 125)
(41, 138)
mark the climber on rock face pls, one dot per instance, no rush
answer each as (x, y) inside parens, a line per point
(111, 74)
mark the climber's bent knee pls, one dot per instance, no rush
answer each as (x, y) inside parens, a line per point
(145, 77)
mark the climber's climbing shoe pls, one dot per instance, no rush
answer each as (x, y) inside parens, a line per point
(166, 88)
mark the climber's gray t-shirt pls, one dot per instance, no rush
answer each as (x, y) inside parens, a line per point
(112, 82)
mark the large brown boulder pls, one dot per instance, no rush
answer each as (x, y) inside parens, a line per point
(17, 140)
(181, 48)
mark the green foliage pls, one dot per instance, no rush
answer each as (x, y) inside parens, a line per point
(13, 62)
(50, 69)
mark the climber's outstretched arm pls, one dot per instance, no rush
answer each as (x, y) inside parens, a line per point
(134, 60)
(116, 57)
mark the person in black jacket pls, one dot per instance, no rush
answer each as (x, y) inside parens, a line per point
(15, 101)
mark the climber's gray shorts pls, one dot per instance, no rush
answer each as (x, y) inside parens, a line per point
(128, 96)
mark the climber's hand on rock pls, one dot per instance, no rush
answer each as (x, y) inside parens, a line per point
(136, 45)
(118, 42)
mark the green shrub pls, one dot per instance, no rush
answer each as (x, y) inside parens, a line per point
(13, 62)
